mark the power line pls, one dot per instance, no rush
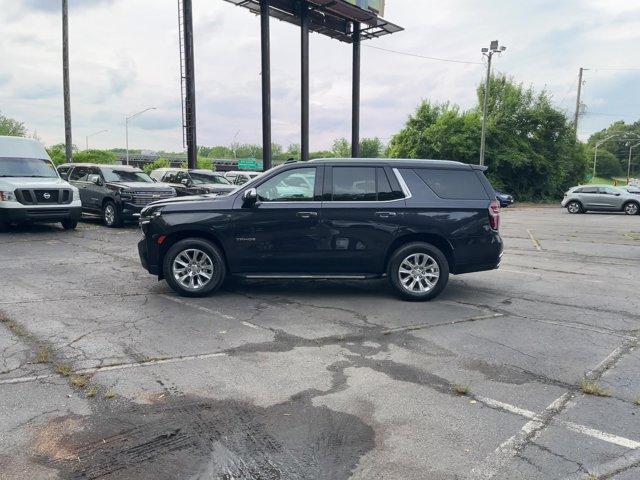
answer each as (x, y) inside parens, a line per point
(423, 56)
(612, 114)
(613, 68)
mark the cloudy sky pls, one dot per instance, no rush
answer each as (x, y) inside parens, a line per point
(124, 58)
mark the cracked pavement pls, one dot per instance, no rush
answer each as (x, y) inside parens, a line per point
(322, 379)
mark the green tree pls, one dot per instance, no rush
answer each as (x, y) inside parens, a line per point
(371, 148)
(161, 162)
(95, 156)
(11, 127)
(531, 147)
(608, 164)
(57, 153)
(341, 148)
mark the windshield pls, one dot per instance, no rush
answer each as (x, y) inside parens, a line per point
(27, 167)
(113, 175)
(203, 178)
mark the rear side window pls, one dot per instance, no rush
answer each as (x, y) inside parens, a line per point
(354, 184)
(453, 184)
(79, 174)
(589, 190)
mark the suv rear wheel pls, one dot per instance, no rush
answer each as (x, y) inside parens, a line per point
(631, 208)
(574, 207)
(418, 271)
(194, 267)
(110, 215)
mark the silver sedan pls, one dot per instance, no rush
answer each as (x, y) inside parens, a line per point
(583, 198)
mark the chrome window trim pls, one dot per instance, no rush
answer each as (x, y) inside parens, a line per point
(403, 184)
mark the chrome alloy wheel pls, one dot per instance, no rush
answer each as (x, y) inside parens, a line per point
(109, 214)
(419, 273)
(631, 209)
(193, 269)
(574, 207)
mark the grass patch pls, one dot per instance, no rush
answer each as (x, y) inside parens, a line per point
(13, 327)
(601, 181)
(589, 387)
(64, 369)
(460, 389)
(42, 356)
(79, 381)
(110, 394)
(637, 402)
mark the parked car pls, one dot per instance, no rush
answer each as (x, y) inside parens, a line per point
(194, 181)
(31, 189)
(504, 199)
(414, 221)
(632, 189)
(583, 198)
(240, 178)
(116, 192)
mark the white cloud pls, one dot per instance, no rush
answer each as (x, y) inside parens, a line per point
(124, 58)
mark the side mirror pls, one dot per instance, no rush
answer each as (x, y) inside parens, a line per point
(249, 197)
(95, 179)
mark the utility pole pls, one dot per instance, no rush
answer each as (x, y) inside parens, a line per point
(68, 142)
(578, 104)
(355, 95)
(487, 52)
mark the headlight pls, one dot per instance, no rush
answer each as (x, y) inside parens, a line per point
(7, 196)
(126, 194)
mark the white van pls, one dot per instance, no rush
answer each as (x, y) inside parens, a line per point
(31, 189)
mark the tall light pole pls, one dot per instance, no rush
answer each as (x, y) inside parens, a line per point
(126, 126)
(631, 147)
(86, 138)
(595, 155)
(487, 52)
(68, 142)
(576, 117)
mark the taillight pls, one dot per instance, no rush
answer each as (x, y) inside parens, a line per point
(494, 215)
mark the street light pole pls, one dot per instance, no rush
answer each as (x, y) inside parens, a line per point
(487, 52)
(126, 127)
(91, 135)
(629, 164)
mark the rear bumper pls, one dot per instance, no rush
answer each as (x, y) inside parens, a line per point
(482, 254)
(35, 214)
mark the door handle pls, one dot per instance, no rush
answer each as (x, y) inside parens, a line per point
(386, 214)
(307, 215)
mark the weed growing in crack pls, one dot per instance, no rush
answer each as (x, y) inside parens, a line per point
(13, 327)
(64, 369)
(589, 387)
(110, 394)
(79, 381)
(92, 392)
(42, 356)
(460, 389)
(637, 401)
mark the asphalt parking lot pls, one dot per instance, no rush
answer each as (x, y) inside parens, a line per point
(106, 373)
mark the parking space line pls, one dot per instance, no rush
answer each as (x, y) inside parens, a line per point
(536, 242)
(584, 430)
(196, 306)
(497, 459)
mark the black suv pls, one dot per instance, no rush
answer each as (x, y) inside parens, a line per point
(414, 221)
(194, 181)
(117, 192)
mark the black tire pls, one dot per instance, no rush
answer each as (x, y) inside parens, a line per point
(111, 215)
(406, 252)
(215, 256)
(69, 224)
(631, 208)
(574, 207)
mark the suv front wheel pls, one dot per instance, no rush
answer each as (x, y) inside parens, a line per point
(194, 267)
(574, 207)
(111, 215)
(418, 271)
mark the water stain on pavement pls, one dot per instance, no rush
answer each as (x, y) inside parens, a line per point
(195, 438)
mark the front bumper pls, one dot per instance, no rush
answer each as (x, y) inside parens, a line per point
(148, 258)
(35, 214)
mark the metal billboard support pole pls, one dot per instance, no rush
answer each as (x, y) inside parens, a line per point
(355, 108)
(190, 90)
(304, 81)
(266, 84)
